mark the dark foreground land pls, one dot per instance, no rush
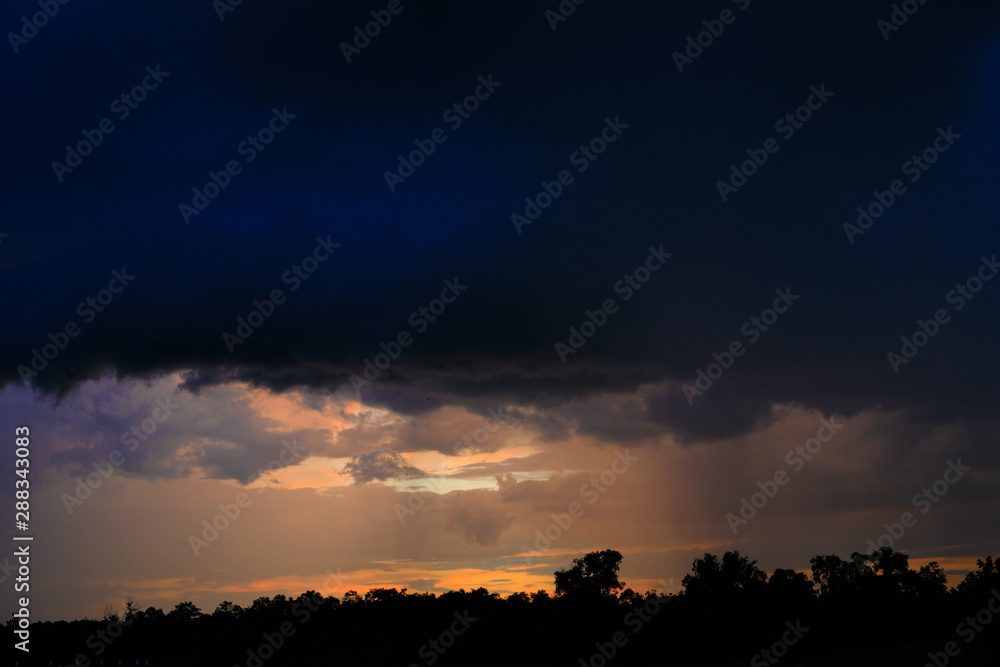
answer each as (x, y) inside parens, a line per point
(871, 610)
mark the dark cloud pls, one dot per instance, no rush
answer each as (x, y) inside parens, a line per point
(380, 466)
(719, 413)
(159, 431)
(323, 177)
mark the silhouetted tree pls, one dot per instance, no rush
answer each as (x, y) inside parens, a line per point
(153, 614)
(540, 597)
(227, 609)
(630, 597)
(836, 575)
(980, 582)
(184, 612)
(929, 584)
(790, 588)
(131, 608)
(110, 614)
(889, 563)
(729, 609)
(384, 595)
(596, 574)
(712, 578)
(519, 599)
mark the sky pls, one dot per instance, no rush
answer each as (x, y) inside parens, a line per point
(449, 303)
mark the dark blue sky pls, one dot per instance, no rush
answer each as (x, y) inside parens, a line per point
(324, 175)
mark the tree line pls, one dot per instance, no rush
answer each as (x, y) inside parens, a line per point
(727, 610)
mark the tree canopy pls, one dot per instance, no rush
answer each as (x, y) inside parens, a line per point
(596, 574)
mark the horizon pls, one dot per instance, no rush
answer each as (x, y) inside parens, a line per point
(663, 587)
